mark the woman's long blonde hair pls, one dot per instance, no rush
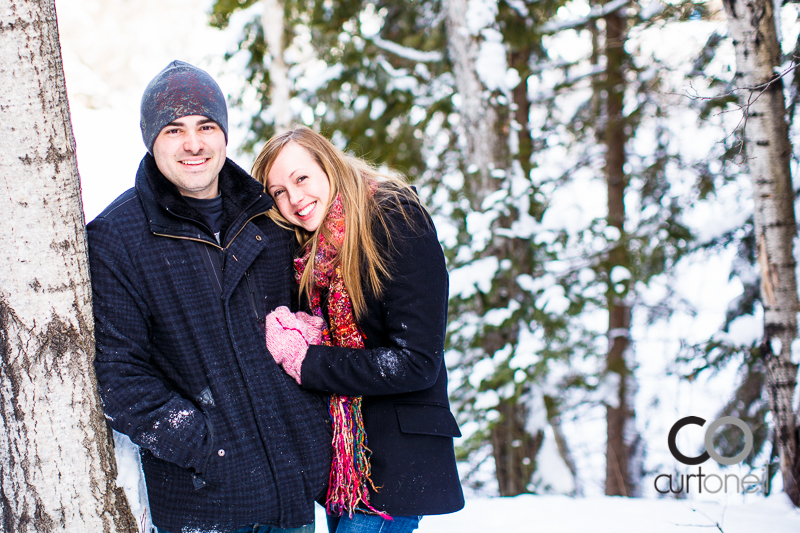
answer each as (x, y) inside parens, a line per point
(366, 197)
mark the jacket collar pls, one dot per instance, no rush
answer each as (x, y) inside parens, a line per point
(167, 212)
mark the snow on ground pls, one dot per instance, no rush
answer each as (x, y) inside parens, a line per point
(560, 514)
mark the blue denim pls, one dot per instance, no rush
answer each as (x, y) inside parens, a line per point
(261, 528)
(368, 523)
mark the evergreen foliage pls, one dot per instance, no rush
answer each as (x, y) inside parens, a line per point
(531, 287)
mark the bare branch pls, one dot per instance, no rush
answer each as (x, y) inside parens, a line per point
(692, 94)
(763, 87)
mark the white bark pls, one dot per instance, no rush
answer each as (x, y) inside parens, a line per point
(56, 466)
(479, 120)
(272, 22)
(768, 152)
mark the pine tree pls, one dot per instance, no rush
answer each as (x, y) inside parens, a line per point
(616, 95)
(496, 326)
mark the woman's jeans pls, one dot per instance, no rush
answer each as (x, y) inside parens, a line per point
(367, 523)
(261, 528)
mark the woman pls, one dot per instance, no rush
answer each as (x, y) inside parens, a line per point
(371, 266)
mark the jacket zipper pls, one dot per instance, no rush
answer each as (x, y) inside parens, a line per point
(225, 249)
(252, 295)
(189, 239)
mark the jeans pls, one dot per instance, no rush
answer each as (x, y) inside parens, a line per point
(367, 523)
(261, 528)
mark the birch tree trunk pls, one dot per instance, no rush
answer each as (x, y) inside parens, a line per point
(622, 439)
(57, 466)
(768, 152)
(272, 23)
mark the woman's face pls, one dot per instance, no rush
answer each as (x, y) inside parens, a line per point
(299, 186)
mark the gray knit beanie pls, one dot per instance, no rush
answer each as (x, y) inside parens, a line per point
(178, 91)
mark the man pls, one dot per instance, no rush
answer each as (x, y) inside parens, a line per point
(185, 266)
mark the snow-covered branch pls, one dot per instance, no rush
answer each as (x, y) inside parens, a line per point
(405, 52)
(552, 93)
(595, 13)
(552, 65)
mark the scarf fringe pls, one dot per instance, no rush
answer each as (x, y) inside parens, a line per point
(350, 472)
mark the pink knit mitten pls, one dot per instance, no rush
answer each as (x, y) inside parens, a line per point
(288, 336)
(315, 326)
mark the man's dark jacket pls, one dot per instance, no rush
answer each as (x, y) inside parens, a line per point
(227, 438)
(401, 374)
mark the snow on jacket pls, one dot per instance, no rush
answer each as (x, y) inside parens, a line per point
(227, 438)
(401, 375)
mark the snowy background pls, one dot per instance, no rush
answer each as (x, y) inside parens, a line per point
(112, 48)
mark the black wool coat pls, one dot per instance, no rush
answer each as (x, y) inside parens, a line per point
(401, 375)
(227, 438)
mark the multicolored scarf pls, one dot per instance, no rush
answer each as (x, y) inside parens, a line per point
(350, 472)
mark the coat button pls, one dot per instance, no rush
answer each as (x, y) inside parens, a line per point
(221, 452)
(258, 237)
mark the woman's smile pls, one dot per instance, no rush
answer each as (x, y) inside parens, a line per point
(307, 210)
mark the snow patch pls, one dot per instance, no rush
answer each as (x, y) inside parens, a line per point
(495, 317)
(477, 276)
(619, 274)
(796, 351)
(491, 64)
(178, 419)
(529, 344)
(480, 14)
(131, 479)
(388, 362)
(480, 371)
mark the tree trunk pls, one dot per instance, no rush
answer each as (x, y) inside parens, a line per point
(621, 470)
(479, 120)
(522, 111)
(484, 128)
(272, 23)
(768, 152)
(514, 449)
(57, 465)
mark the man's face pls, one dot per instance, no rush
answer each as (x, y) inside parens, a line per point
(190, 152)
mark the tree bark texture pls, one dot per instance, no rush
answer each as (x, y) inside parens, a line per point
(479, 120)
(57, 467)
(272, 24)
(622, 441)
(768, 152)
